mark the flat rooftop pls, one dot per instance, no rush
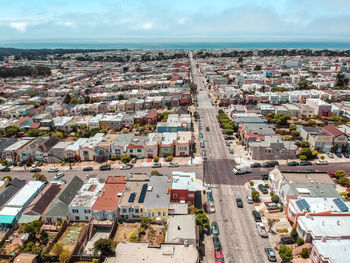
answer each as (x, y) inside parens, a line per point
(307, 178)
(88, 193)
(336, 250)
(140, 252)
(180, 227)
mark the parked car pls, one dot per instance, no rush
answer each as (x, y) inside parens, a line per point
(53, 170)
(87, 169)
(219, 256)
(249, 199)
(105, 167)
(173, 165)
(217, 244)
(133, 160)
(5, 169)
(270, 164)
(263, 189)
(59, 175)
(264, 173)
(126, 167)
(321, 162)
(212, 208)
(305, 163)
(272, 206)
(156, 165)
(338, 155)
(35, 170)
(228, 143)
(210, 197)
(346, 155)
(207, 129)
(330, 155)
(239, 202)
(257, 216)
(271, 256)
(287, 240)
(215, 228)
(62, 181)
(261, 229)
(21, 163)
(230, 150)
(255, 165)
(294, 163)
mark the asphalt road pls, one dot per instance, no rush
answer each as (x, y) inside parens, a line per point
(238, 234)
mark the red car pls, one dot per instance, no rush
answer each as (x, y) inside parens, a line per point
(219, 256)
(332, 174)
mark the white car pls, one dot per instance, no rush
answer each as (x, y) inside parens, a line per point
(126, 167)
(261, 229)
(59, 175)
(212, 208)
(52, 170)
(330, 155)
(173, 165)
(321, 162)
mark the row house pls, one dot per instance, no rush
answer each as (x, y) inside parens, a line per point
(38, 149)
(320, 108)
(87, 151)
(11, 153)
(318, 140)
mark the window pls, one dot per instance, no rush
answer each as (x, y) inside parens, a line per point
(130, 209)
(159, 213)
(136, 210)
(77, 218)
(86, 218)
(124, 210)
(131, 150)
(139, 150)
(87, 211)
(164, 213)
(175, 196)
(190, 195)
(75, 211)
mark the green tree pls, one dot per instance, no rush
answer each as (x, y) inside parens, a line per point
(306, 152)
(341, 80)
(145, 222)
(4, 162)
(201, 219)
(285, 253)
(300, 241)
(39, 177)
(169, 158)
(58, 134)
(156, 159)
(305, 144)
(294, 234)
(339, 174)
(304, 253)
(12, 130)
(275, 198)
(154, 172)
(255, 195)
(104, 246)
(33, 133)
(125, 159)
(344, 181)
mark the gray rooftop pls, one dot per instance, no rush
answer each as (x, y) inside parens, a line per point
(180, 227)
(157, 195)
(310, 190)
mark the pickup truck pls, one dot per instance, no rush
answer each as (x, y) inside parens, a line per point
(261, 229)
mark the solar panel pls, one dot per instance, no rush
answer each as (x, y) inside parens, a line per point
(132, 197)
(341, 205)
(303, 205)
(143, 193)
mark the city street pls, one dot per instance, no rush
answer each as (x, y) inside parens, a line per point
(239, 238)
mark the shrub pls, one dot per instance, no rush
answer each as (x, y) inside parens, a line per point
(267, 186)
(156, 159)
(281, 208)
(145, 222)
(113, 158)
(255, 195)
(344, 181)
(339, 174)
(275, 198)
(304, 253)
(285, 253)
(133, 237)
(154, 172)
(125, 159)
(294, 234)
(251, 183)
(169, 159)
(300, 241)
(302, 157)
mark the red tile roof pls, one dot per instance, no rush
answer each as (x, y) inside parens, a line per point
(330, 129)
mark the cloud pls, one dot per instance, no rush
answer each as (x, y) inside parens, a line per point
(20, 26)
(66, 23)
(145, 26)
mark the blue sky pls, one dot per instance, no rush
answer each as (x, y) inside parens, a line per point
(175, 20)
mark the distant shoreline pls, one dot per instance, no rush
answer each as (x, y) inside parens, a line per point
(177, 45)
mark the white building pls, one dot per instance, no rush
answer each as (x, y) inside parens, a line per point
(81, 205)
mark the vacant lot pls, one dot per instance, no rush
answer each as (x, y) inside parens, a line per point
(153, 234)
(71, 236)
(125, 230)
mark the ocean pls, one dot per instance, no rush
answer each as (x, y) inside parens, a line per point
(177, 45)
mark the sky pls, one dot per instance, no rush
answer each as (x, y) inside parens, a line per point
(175, 20)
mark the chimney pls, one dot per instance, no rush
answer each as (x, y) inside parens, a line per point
(178, 228)
(323, 239)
